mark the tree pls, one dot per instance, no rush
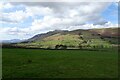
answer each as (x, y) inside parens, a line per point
(60, 47)
(80, 46)
(57, 46)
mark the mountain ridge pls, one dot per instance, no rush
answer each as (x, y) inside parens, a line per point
(105, 37)
(11, 41)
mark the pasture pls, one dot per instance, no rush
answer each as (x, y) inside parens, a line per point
(36, 63)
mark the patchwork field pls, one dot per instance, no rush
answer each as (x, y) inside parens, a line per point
(36, 63)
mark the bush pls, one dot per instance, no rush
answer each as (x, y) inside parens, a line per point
(60, 47)
(80, 46)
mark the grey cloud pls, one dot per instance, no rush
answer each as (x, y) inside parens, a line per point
(100, 23)
(5, 19)
(84, 12)
(61, 9)
(64, 6)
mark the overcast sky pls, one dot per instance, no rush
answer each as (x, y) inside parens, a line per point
(22, 20)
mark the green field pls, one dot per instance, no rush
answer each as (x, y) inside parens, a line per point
(36, 63)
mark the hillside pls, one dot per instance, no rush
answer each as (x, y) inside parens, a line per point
(76, 39)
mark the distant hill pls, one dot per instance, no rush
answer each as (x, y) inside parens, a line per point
(91, 38)
(11, 41)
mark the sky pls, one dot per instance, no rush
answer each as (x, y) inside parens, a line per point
(23, 20)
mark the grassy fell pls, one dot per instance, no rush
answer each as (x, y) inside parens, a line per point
(93, 38)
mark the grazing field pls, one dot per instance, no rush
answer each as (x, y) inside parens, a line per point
(36, 63)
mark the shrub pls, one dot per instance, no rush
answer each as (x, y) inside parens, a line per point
(60, 47)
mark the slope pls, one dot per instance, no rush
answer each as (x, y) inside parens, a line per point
(93, 38)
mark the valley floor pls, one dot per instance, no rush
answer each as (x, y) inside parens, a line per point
(35, 63)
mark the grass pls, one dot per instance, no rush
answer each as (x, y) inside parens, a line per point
(35, 63)
(68, 40)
